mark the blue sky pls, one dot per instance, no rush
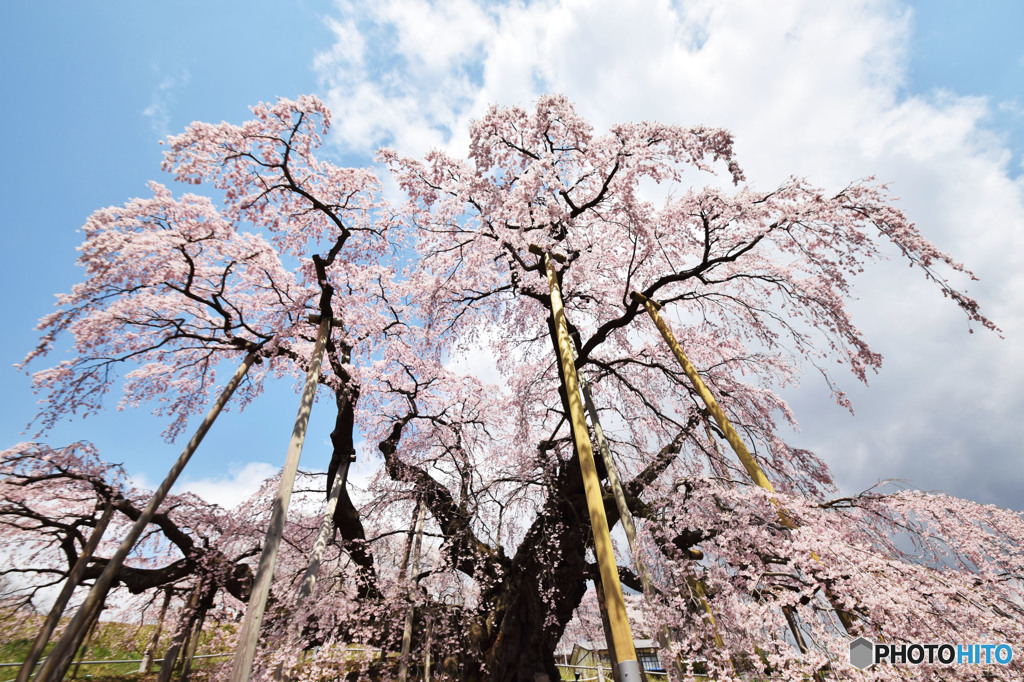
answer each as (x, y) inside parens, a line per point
(927, 95)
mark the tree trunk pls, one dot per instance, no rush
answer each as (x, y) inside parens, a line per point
(547, 576)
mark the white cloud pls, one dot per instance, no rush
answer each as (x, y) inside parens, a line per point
(809, 88)
(158, 111)
(231, 489)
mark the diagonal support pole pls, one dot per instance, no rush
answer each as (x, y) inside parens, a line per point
(749, 463)
(64, 647)
(629, 668)
(628, 525)
(25, 672)
(241, 665)
(403, 660)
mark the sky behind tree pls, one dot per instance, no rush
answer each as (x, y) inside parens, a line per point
(928, 96)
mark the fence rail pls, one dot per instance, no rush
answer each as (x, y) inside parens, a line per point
(125, 660)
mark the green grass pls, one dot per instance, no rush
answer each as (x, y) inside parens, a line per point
(111, 641)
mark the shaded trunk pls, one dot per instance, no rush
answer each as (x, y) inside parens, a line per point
(346, 517)
(524, 616)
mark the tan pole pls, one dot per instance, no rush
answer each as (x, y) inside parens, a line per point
(629, 668)
(629, 527)
(74, 577)
(317, 555)
(403, 660)
(319, 546)
(748, 461)
(426, 654)
(102, 585)
(241, 664)
(88, 640)
(147, 657)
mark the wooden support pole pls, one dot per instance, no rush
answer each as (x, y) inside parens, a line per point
(316, 555)
(84, 647)
(179, 641)
(326, 524)
(748, 461)
(426, 653)
(629, 668)
(193, 644)
(147, 658)
(241, 665)
(609, 639)
(403, 659)
(664, 638)
(102, 585)
(74, 577)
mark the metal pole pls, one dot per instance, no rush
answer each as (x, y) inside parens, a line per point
(629, 668)
(74, 577)
(241, 665)
(102, 585)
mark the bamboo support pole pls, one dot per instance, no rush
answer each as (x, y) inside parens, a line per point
(102, 585)
(403, 659)
(749, 463)
(629, 668)
(74, 577)
(241, 664)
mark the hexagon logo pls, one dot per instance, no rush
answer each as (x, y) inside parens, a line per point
(861, 653)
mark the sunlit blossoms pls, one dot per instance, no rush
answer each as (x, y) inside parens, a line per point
(741, 583)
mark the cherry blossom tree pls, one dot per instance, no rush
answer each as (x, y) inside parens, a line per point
(755, 283)
(52, 498)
